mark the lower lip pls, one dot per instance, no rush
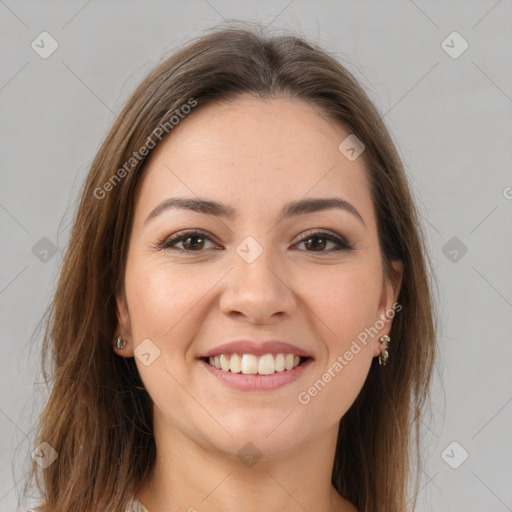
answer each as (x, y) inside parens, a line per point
(255, 382)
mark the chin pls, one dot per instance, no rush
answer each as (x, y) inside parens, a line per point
(260, 441)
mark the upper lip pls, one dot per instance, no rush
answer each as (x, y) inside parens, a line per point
(258, 348)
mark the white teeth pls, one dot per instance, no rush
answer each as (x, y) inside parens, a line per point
(266, 364)
(279, 363)
(235, 363)
(224, 363)
(249, 364)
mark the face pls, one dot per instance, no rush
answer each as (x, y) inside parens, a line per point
(312, 278)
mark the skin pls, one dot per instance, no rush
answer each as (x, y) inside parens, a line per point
(187, 303)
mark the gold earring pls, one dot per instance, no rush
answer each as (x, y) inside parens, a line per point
(383, 357)
(120, 343)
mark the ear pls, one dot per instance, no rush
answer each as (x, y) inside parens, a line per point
(394, 282)
(123, 326)
(389, 296)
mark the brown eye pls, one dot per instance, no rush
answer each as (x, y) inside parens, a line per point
(195, 240)
(316, 241)
(312, 243)
(192, 241)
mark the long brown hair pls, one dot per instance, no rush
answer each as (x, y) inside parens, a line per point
(98, 417)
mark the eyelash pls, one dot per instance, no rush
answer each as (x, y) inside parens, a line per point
(169, 242)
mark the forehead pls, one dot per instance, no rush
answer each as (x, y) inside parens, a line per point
(253, 153)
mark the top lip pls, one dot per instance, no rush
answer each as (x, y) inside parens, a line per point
(258, 348)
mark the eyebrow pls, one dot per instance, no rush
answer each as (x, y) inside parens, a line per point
(292, 209)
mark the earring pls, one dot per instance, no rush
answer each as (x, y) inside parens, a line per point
(383, 357)
(120, 343)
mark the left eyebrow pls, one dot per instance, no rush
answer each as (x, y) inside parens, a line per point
(292, 209)
(305, 206)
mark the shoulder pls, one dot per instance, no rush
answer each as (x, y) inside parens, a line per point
(135, 506)
(132, 506)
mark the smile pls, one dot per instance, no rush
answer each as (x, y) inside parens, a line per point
(250, 364)
(248, 372)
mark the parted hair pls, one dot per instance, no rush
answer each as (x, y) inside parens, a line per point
(98, 415)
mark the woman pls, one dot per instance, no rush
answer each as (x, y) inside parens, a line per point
(243, 319)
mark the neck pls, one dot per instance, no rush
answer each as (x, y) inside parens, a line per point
(189, 476)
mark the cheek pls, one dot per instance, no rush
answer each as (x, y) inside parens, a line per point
(348, 306)
(160, 299)
(347, 301)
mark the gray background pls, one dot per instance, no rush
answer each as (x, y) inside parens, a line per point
(451, 120)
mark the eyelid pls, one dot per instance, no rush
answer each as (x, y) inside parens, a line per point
(339, 240)
(330, 235)
(181, 235)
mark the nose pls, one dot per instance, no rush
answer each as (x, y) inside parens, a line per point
(258, 291)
